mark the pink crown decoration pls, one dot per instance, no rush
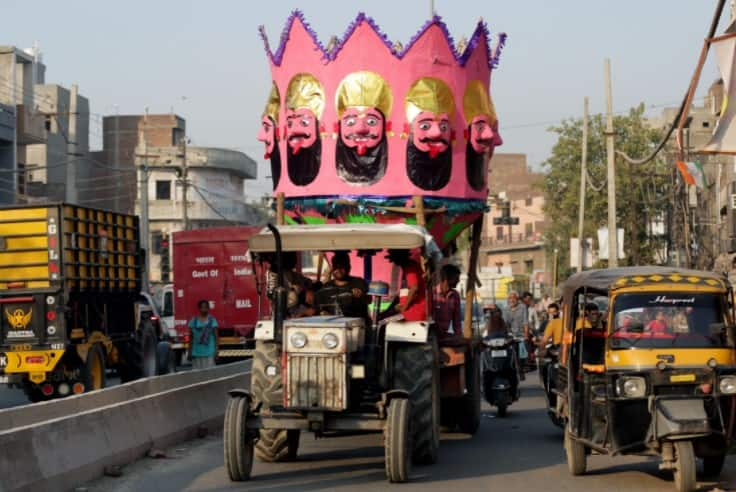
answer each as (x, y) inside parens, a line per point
(369, 121)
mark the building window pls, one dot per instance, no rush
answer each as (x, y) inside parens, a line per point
(706, 124)
(499, 233)
(529, 266)
(528, 230)
(163, 190)
(528, 201)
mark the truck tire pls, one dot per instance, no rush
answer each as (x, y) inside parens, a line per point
(397, 440)
(273, 445)
(416, 370)
(93, 369)
(139, 355)
(237, 441)
(164, 359)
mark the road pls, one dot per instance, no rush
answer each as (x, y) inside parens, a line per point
(522, 452)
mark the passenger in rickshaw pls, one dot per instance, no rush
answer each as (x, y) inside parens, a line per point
(590, 332)
(659, 323)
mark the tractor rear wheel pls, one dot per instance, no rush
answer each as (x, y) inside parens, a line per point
(416, 370)
(267, 388)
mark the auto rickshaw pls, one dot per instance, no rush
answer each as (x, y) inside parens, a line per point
(655, 375)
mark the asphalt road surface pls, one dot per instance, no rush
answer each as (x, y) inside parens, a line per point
(522, 452)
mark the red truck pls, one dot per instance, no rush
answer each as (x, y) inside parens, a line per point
(215, 265)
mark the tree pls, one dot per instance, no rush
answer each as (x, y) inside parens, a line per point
(642, 191)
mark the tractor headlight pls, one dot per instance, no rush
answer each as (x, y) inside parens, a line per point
(495, 342)
(727, 385)
(330, 341)
(632, 387)
(298, 339)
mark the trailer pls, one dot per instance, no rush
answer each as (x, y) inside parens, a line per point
(215, 265)
(70, 296)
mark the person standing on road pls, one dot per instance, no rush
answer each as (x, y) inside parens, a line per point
(203, 329)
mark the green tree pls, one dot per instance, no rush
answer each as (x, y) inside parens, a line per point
(641, 190)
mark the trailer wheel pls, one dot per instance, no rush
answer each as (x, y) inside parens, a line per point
(416, 370)
(267, 387)
(238, 443)
(397, 441)
(685, 466)
(468, 418)
(93, 370)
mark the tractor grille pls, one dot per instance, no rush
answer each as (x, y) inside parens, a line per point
(316, 382)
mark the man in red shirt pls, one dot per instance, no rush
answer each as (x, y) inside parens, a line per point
(413, 295)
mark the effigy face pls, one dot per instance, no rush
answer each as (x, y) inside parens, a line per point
(484, 136)
(267, 135)
(431, 133)
(301, 129)
(361, 129)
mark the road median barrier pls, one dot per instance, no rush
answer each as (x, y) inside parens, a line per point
(61, 444)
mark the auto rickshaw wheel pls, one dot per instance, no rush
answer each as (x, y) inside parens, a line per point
(684, 466)
(577, 461)
(712, 465)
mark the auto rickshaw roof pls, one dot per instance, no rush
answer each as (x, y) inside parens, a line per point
(603, 281)
(336, 237)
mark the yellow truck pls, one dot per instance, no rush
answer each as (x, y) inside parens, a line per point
(70, 301)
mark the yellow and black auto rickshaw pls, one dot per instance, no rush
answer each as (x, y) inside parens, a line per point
(655, 375)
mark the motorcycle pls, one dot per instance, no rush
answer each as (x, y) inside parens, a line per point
(549, 364)
(500, 372)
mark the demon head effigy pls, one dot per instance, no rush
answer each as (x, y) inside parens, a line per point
(305, 101)
(430, 109)
(363, 100)
(481, 133)
(368, 125)
(269, 134)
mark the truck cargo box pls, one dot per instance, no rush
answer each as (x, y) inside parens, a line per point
(214, 265)
(70, 247)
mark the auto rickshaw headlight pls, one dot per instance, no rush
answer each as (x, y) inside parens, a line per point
(632, 387)
(727, 385)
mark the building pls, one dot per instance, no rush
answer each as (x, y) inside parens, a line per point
(513, 256)
(44, 132)
(189, 187)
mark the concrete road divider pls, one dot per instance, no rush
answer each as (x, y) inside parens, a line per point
(58, 445)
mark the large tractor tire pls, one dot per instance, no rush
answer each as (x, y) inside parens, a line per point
(139, 355)
(94, 369)
(237, 441)
(416, 370)
(273, 444)
(397, 440)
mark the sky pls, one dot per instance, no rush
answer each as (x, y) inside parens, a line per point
(205, 61)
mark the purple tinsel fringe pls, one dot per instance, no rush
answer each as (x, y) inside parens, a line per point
(481, 32)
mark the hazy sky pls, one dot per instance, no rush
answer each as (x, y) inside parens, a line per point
(205, 59)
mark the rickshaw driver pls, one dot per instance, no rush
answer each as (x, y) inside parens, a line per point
(594, 333)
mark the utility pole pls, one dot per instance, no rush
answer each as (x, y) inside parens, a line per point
(612, 230)
(70, 194)
(143, 198)
(431, 9)
(583, 174)
(184, 186)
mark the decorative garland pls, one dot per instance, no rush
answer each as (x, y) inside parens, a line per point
(335, 205)
(481, 32)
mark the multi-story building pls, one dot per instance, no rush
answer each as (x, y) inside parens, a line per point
(189, 187)
(513, 256)
(44, 132)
